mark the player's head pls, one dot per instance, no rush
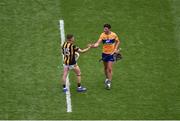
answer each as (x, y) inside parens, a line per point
(70, 37)
(107, 28)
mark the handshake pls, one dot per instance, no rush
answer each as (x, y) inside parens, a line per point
(90, 45)
(95, 45)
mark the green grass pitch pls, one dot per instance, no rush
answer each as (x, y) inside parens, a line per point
(146, 83)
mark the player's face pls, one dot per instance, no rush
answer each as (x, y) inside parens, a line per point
(106, 30)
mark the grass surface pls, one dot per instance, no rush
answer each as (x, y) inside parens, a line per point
(145, 83)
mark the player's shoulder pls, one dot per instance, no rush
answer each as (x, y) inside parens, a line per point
(102, 34)
(67, 44)
(64, 44)
(113, 33)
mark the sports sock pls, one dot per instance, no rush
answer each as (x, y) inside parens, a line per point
(79, 84)
(64, 86)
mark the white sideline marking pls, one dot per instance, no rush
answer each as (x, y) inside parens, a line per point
(68, 93)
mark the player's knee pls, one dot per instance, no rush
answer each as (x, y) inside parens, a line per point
(109, 70)
(79, 74)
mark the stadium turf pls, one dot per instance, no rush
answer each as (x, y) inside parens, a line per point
(145, 83)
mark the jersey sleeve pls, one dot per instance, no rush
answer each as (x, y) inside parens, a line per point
(75, 48)
(101, 37)
(116, 37)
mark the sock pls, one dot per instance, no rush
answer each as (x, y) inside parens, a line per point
(79, 84)
(64, 86)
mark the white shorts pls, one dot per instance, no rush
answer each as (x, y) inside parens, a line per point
(70, 66)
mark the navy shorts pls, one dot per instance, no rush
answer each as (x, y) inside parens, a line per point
(107, 57)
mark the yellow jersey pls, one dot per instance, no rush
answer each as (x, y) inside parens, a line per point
(108, 41)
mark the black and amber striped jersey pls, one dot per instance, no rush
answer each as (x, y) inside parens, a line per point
(68, 50)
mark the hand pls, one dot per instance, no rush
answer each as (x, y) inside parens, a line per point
(115, 51)
(89, 45)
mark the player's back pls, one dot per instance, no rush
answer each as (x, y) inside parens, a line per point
(68, 50)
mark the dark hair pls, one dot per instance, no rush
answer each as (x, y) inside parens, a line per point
(107, 25)
(69, 36)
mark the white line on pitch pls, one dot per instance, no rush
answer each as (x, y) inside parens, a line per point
(68, 93)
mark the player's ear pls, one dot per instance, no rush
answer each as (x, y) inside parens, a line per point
(73, 39)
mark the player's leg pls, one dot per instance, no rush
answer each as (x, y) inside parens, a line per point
(105, 69)
(109, 74)
(106, 82)
(104, 58)
(78, 74)
(109, 70)
(65, 73)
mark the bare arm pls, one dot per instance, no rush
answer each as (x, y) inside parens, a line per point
(83, 50)
(117, 45)
(95, 45)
